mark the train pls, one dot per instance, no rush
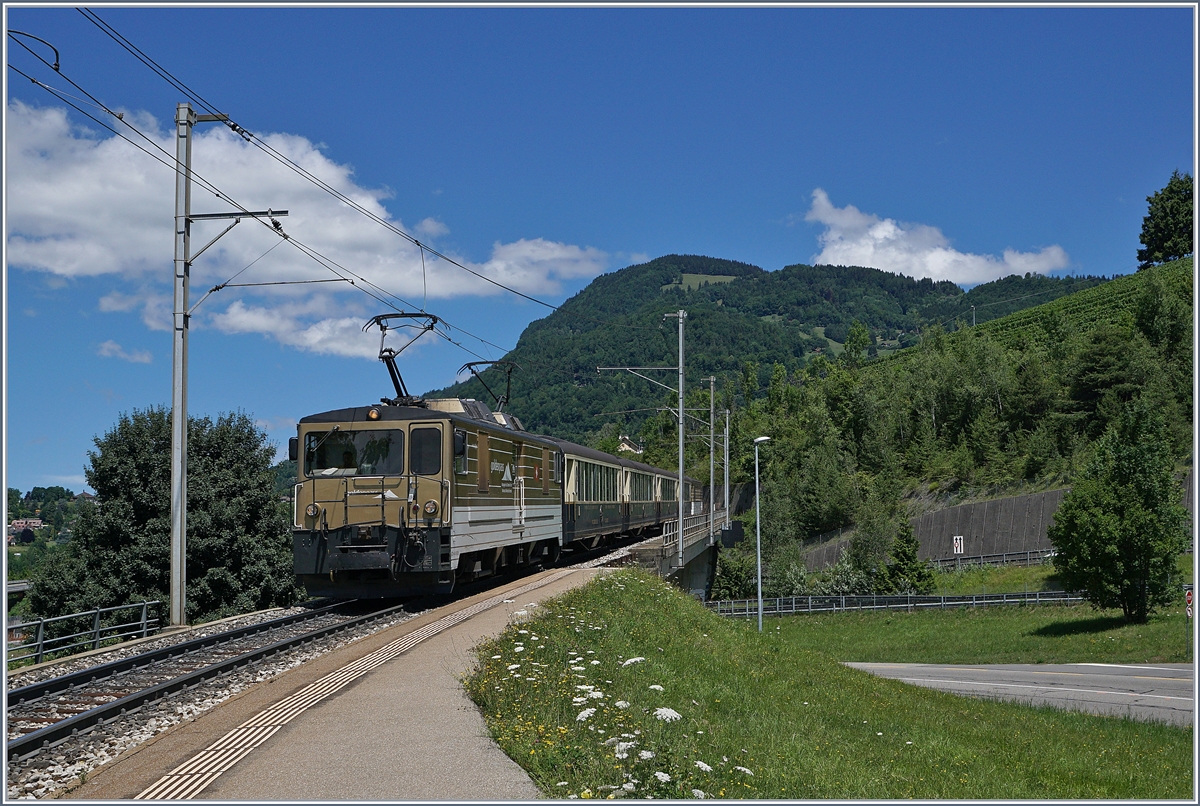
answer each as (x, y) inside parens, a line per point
(411, 496)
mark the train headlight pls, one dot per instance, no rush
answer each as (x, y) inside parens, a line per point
(312, 510)
(373, 414)
(431, 507)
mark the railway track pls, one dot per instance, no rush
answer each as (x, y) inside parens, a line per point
(61, 727)
(42, 715)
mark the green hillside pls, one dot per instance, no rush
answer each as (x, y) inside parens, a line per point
(1004, 407)
(738, 314)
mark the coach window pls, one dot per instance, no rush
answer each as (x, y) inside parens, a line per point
(425, 451)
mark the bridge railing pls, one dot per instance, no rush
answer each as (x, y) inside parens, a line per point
(145, 620)
(832, 604)
(695, 528)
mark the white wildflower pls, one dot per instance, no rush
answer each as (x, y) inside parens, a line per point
(518, 649)
(646, 755)
(584, 688)
(667, 714)
(596, 695)
(743, 769)
(662, 776)
(698, 795)
(878, 734)
(657, 687)
(629, 786)
(523, 632)
(621, 704)
(611, 742)
(577, 669)
(595, 663)
(703, 766)
(579, 700)
(632, 661)
(585, 714)
(521, 613)
(512, 666)
(561, 783)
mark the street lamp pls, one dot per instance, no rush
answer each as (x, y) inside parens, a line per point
(758, 527)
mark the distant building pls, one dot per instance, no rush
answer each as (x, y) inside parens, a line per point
(627, 445)
(84, 497)
(24, 523)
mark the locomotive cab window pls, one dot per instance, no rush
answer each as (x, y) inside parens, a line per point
(460, 452)
(425, 451)
(354, 453)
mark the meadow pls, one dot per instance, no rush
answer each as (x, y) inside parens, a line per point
(628, 688)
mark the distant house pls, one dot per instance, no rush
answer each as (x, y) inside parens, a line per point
(627, 445)
(24, 523)
(84, 497)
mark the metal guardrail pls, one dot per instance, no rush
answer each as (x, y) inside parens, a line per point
(146, 621)
(695, 527)
(1005, 558)
(833, 604)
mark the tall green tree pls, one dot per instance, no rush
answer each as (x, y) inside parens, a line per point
(238, 543)
(1119, 530)
(1167, 227)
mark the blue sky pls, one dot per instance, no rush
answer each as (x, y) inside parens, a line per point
(541, 147)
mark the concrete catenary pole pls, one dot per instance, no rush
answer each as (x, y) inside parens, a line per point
(712, 453)
(680, 315)
(184, 120)
(728, 520)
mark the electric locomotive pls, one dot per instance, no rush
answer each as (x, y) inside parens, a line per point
(410, 495)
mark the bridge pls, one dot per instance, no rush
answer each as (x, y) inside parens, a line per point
(699, 554)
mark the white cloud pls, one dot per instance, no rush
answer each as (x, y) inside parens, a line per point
(86, 205)
(276, 423)
(110, 349)
(432, 228)
(854, 238)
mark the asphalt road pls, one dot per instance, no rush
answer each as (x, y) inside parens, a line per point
(1163, 692)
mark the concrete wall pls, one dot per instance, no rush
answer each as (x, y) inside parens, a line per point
(988, 527)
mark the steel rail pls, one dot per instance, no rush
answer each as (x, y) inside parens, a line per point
(54, 685)
(35, 742)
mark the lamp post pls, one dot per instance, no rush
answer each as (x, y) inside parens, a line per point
(758, 527)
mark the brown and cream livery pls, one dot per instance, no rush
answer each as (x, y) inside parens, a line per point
(397, 500)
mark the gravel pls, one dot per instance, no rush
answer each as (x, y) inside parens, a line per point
(67, 765)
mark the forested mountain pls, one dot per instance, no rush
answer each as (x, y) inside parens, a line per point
(737, 314)
(982, 411)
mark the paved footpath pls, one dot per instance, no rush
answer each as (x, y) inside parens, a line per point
(405, 730)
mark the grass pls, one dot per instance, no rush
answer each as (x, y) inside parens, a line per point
(996, 579)
(1018, 579)
(576, 695)
(1013, 634)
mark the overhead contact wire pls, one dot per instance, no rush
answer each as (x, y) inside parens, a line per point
(167, 76)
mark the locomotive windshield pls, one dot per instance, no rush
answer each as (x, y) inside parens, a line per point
(354, 453)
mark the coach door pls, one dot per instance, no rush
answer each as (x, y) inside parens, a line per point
(428, 494)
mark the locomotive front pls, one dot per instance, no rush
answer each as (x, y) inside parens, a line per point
(373, 505)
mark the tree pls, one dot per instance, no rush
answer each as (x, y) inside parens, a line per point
(1167, 228)
(907, 573)
(238, 546)
(1119, 530)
